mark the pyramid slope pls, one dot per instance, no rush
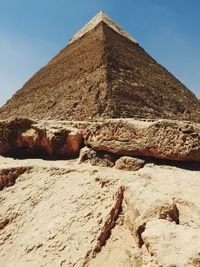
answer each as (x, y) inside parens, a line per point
(143, 87)
(103, 74)
(73, 85)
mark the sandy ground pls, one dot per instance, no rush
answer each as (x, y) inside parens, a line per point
(59, 212)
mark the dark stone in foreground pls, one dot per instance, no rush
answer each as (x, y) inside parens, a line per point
(28, 138)
(129, 164)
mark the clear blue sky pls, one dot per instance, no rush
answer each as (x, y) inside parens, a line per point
(33, 31)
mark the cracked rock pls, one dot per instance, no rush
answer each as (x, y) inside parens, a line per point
(162, 139)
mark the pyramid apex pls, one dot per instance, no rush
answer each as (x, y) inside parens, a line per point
(101, 13)
(98, 18)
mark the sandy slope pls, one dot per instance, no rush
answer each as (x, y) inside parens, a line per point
(59, 213)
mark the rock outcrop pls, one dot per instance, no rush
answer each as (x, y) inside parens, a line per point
(162, 139)
(28, 138)
(51, 216)
(62, 213)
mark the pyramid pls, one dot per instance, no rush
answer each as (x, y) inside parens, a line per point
(103, 73)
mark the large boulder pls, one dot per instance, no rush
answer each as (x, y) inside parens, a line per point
(163, 139)
(25, 137)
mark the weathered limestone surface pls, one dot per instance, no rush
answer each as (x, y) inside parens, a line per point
(162, 211)
(57, 214)
(62, 213)
(163, 139)
(25, 137)
(166, 240)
